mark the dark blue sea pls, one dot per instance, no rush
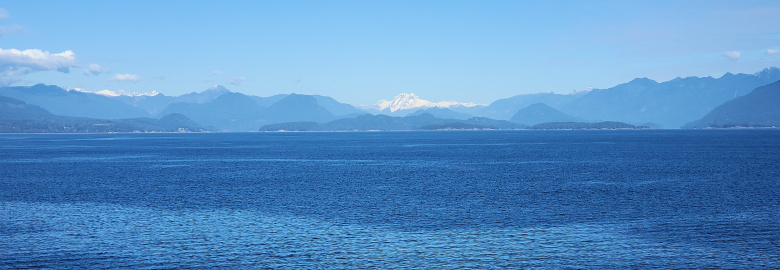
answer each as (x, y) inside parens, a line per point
(432, 200)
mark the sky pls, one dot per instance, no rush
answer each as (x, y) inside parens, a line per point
(359, 52)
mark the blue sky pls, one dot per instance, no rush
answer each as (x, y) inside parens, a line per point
(361, 51)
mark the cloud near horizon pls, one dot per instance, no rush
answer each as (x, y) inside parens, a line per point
(236, 80)
(36, 59)
(94, 69)
(8, 29)
(126, 77)
(734, 55)
(772, 52)
(15, 63)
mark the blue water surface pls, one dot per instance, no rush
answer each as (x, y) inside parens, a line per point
(471, 199)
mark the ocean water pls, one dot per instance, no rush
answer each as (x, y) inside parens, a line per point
(472, 199)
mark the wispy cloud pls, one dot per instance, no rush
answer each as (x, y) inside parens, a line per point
(15, 63)
(94, 69)
(772, 52)
(217, 72)
(236, 80)
(11, 75)
(8, 29)
(734, 55)
(126, 77)
(162, 76)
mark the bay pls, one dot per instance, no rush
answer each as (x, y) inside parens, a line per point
(456, 199)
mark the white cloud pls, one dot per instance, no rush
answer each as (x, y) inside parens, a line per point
(217, 73)
(236, 80)
(112, 93)
(15, 63)
(126, 77)
(10, 74)
(36, 59)
(734, 55)
(94, 69)
(772, 52)
(8, 29)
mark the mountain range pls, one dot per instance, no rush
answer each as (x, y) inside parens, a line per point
(541, 113)
(759, 108)
(681, 102)
(16, 116)
(409, 101)
(381, 122)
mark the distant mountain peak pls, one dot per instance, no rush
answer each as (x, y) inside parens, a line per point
(577, 92)
(541, 113)
(768, 72)
(217, 88)
(205, 96)
(756, 109)
(405, 101)
(644, 80)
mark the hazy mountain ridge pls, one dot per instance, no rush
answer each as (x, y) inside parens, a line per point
(72, 103)
(216, 107)
(228, 112)
(639, 102)
(298, 108)
(429, 122)
(382, 122)
(505, 108)
(759, 108)
(541, 113)
(14, 109)
(238, 112)
(670, 104)
(442, 113)
(16, 116)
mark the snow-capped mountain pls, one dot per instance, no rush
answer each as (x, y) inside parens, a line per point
(408, 101)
